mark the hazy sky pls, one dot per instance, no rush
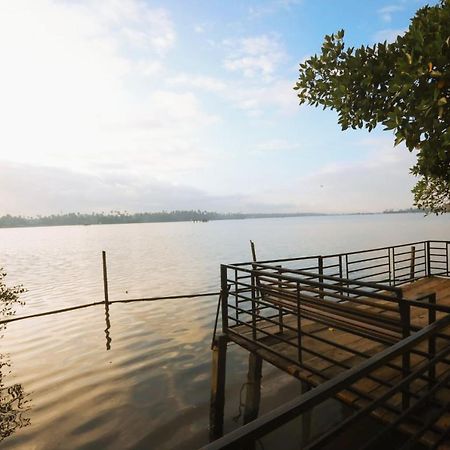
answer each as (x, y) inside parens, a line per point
(149, 105)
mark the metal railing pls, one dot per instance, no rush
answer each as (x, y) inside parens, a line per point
(392, 265)
(276, 307)
(425, 385)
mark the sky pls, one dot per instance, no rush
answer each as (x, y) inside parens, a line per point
(145, 105)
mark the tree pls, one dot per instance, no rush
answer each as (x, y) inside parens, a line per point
(404, 85)
(13, 402)
(9, 296)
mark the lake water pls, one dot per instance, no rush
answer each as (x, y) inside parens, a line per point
(151, 388)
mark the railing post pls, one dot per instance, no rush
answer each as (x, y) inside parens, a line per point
(394, 281)
(447, 253)
(428, 259)
(236, 295)
(346, 273)
(390, 264)
(280, 308)
(321, 277)
(405, 316)
(224, 297)
(299, 326)
(432, 339)
(253, 306)
(412, 266)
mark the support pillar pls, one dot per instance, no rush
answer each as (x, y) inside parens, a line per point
(217, 402)
(306, 419)
(253, 390)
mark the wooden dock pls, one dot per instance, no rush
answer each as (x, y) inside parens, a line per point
(318, 327)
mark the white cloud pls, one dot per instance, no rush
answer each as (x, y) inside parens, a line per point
(272, 7)
(386, 12)
(276, 145)
(73, 94)
(133, 21)
(258, 56)
(380, 181)
(197, 81)
(388, 34)
(256, 100)
(31, 190)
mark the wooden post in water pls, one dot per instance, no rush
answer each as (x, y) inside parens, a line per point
(252, 245)
(253, 390)
(217, 402)
(105, 278)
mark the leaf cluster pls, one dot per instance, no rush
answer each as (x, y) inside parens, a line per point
(404, 86)
(9, 296)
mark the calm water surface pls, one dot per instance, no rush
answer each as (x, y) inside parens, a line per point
(62, 388)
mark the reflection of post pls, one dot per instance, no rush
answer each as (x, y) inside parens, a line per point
(105, 290)
(108, 326)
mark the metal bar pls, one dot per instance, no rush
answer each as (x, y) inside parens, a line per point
(253, 308)
(389, 257)
(224, 295)
(299, 325)
(280, 310)
(432, 339)
(394, 278)
(283, 414)
(368, 267)
(408, 411)
(356, 261)
(378, 402)
(412, 270)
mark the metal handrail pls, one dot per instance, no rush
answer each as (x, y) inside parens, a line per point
(285, 413)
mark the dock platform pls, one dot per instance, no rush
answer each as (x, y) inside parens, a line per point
(373, 326)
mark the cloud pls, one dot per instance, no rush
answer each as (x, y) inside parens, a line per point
(258, 99)
(32, 190)
(387, 11)
(388, 34)
(276, 145)
(272, 7)
(80, 88)
(258, 56)
(133, 22)
(380, 181)
(197, 81)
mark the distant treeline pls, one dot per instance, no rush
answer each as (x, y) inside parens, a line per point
(403, 211)
(9, 221)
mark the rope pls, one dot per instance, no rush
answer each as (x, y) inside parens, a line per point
(88, 305)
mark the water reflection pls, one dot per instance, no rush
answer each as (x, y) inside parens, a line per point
(14, 403)
(108, 327)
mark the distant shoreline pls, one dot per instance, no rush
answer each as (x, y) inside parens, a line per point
(9, 221)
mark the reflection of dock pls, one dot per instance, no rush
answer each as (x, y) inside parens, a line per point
(371, 328)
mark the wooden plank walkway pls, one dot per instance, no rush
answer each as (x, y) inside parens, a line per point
(327, 351)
